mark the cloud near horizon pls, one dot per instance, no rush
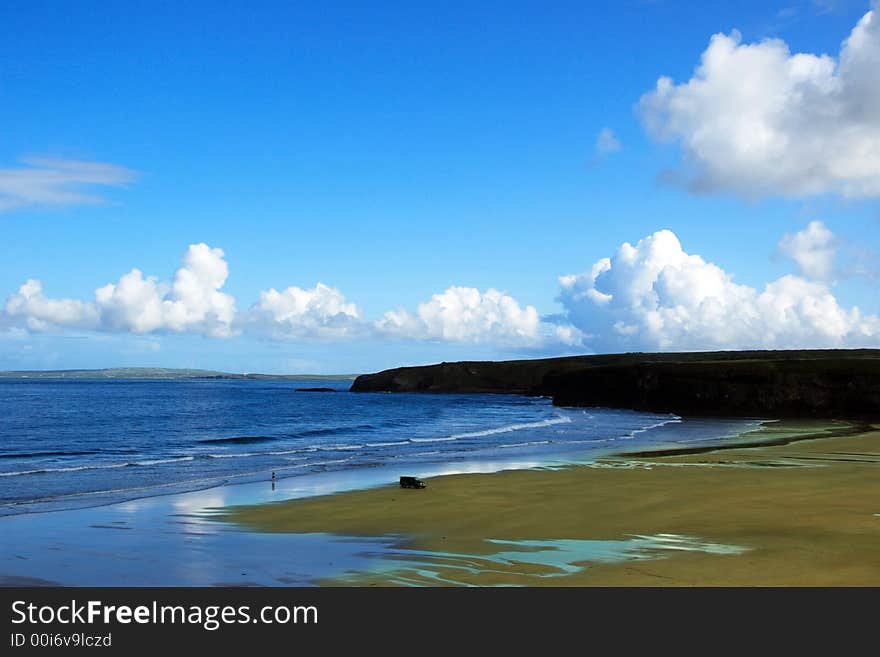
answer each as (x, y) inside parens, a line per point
(655, 296)
(192, 303)
(757, 120)
(649, 296)
(195, 303)
(467, 315)
(58, 182)
(320, 313)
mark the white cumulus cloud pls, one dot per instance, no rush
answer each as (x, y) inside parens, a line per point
(813, 249)
(468, 315)
(48, 182)
(192, 303)
(33, 310)
(757, 120)
(318, 313)
(654, 295)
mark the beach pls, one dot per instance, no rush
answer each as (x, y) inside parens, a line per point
(84, 502)
(792, 504)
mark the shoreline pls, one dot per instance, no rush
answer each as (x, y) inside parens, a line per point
(795, 508)
(514, 465)
(851, 428)
(368, 475)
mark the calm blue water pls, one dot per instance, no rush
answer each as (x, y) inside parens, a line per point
(74, 443)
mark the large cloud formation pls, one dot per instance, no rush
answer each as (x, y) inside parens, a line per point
(195, 303)
(757, 120)
(655, 296)
(192, 303)
(650, 296)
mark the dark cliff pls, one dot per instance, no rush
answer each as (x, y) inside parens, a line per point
(816, 383)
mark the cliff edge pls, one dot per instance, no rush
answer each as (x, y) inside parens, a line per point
(804, 383)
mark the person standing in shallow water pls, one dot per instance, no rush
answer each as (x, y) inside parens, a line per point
(273, 480)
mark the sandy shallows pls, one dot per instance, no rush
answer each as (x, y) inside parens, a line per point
(796, 513)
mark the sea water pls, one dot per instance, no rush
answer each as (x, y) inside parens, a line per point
(77, 443)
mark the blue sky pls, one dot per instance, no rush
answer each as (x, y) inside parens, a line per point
(393, 151)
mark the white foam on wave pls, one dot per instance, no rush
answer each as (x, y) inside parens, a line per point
(311, 448)
(71, 469)
(283, 452)
(588, 440)
(317, 463)
(432, 440)
(522, 426)
(162, 461)
(561, 419)
(526, 444)
(675, 419)
(109, 466)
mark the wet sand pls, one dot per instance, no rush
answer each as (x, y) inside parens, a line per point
(798, 506)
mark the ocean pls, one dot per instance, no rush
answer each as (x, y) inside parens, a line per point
(80, 443)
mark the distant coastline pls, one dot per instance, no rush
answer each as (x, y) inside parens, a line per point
(163, 374)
